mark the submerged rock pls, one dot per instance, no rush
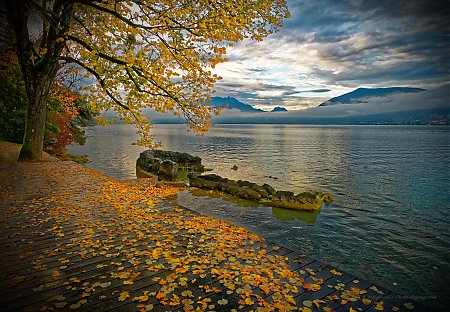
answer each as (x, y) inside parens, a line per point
(304, 201)
(265, 194)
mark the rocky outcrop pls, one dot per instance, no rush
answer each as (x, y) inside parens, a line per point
(262, 193)
(165, 164)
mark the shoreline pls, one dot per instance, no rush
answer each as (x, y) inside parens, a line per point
(60, 218)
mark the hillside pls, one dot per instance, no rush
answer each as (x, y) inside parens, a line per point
(359, 95)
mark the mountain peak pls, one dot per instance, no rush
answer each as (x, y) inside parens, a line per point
(358, 95)
(278, 109)
(217, 101)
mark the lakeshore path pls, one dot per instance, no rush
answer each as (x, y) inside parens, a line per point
(75, 239)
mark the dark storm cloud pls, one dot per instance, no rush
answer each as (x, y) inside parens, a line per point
(317, 91)
(375, 39)
(288, 93)
(337, 19)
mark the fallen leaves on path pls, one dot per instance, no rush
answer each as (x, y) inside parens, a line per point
(92, 242)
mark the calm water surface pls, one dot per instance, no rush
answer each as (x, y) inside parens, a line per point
(389, 221)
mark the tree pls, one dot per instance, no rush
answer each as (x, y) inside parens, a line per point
(135, 54)
(66, 108)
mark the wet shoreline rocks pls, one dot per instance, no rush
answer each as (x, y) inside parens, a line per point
(167, 165)
(265, 193)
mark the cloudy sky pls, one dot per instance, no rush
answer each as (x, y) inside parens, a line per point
(330, 47)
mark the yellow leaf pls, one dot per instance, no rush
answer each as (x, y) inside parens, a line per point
(141, 298)
(74, 306)
(60, 305)
(307, 303)
(55, 273)
(408, 305)
(124, 295)
(290, 299)
(222, 302)
(123, 274)
(265, 289)
(187, 293)
(57, 298)
(379, 306)
(318, 302)
(161, 296)
(215, 272)
(334, 272)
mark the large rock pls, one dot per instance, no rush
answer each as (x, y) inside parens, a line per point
(181, 159)
(265, 193)
(165, 164)
(168, 170)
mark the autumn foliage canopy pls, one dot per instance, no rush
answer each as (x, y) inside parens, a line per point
(134, 54)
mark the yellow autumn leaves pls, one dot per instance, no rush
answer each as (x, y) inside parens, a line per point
(116, 244)
(163, 59)
(184, 258)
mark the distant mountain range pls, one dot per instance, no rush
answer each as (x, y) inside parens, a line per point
(361, 94)
(231, 103)
(396, 105)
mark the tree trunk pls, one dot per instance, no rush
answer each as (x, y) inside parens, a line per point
(40, 73)
(33, 139)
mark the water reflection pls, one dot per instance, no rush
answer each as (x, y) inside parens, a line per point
(217, 195)
(289, 214)
(280, 213)
(110, 150)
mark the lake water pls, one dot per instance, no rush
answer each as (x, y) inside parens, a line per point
(389, 221)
